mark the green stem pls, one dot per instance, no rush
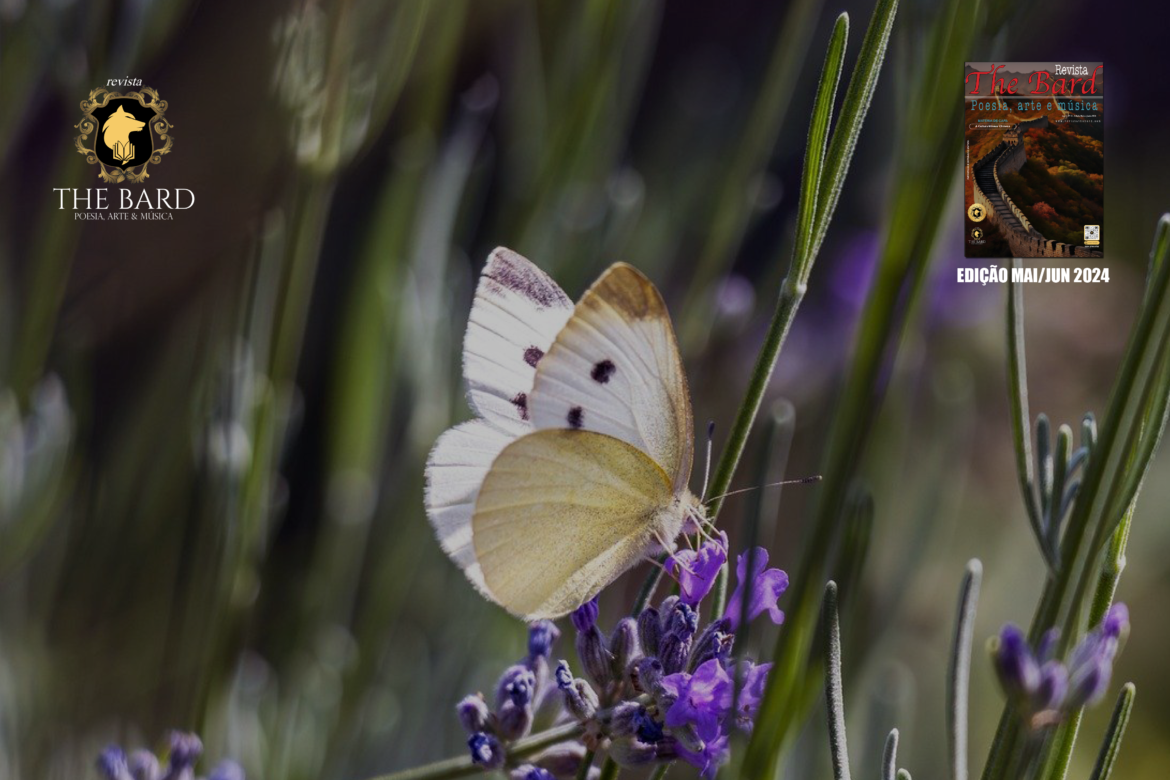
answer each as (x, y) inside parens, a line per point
(1108, 755)
(586, 765)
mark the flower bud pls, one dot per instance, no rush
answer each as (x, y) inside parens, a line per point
(1053, 686)
(473, 713)
(486, 751)
(623, 645)
(629, 751)
(513, 720)
(563, 760)
(715, 641)
(530, 772)
(517, 684)
(594, 655)
(1015, 665)
(647, 674)
(649, 630)
(112, 763)
(584, 617)
(185, 751)
(542, 635)
(676, 645)
(624, 718)
(144, 765)
(580, 699)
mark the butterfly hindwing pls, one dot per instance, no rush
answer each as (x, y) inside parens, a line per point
(517, 312)
(562, 514)
(456, 469)
(615, 369)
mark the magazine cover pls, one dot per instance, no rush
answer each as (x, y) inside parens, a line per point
(1035, 159)
(583, 390)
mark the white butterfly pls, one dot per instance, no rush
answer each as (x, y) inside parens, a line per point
(577, 465)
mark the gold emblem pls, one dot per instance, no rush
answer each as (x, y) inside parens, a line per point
(124, 134)
(977, 212)
(976, 233)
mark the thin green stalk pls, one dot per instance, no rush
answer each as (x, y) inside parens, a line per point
(890, 756)
(959, 672)
(834, 695)
(609, 770)
(1021, 420)
(1112, 744)
(793, 290)
(463, 766)
(660, 772)
(586, 765)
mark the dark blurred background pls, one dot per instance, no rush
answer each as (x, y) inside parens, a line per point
(213, 428)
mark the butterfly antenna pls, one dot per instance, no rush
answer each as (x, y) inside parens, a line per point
(707, 468)
(801, 481)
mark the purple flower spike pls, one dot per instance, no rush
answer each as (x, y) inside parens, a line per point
(584, 617)
(696, 570)
(767, 587)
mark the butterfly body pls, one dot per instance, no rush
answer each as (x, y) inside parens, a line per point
(578, 466)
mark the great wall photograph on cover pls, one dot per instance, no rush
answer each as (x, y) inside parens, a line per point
(1035, 159)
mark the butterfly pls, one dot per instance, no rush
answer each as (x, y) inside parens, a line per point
(576, 465)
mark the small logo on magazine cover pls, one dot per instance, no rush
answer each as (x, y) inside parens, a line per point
(1092, 235)
(977, 212)
(976, 234)
(123, 134)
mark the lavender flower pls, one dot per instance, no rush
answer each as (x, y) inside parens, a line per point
(184, 753)
(530, 772)
(1045, 689)
(696, 570)
(486, 751)
(767, 587)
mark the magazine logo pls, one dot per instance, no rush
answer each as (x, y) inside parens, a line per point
(124, 134)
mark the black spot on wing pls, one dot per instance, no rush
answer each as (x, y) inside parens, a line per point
(520, 401)
(603, 371)
(576, 418)
(532, 355)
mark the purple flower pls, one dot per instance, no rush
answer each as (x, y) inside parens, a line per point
(226, 770)
(1090, 666)
(712, 753)
(696, 570)
(530, 772)
(1015, 665)
(702, 698)
(767, 585)
(751, 693)
(473, 713)
(112, 763)
(186, 748)
(541, 637)
(517, 685)
(485, 751)
(144, 765)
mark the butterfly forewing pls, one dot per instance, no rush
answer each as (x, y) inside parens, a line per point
(562, 514)
(517, 312)
(615, 369)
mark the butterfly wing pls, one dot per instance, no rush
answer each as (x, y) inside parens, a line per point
(562, 514)
(615, 369)
(455, 470)
(517, 312)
